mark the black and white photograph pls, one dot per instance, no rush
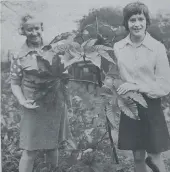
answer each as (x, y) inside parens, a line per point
(85, 85)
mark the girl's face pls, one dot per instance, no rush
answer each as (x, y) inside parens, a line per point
(137, 25)
(33, 32)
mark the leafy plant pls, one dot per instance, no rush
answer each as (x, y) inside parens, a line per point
(74, 53)
(115, 103)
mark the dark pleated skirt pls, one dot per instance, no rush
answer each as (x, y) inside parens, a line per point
(150, 133)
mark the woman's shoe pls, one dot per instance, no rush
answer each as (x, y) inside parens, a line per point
(151, 164)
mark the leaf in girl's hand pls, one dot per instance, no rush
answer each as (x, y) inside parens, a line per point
(106, 91)
(137, 97)
(128, 107)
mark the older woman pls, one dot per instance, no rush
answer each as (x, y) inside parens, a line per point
(40, 127)
(143, 64)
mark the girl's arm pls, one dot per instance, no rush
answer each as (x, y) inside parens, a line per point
(161, 86)
(16, 77)
(17, 91)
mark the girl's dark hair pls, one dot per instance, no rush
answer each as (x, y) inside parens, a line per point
(24, 19)
(133, 9)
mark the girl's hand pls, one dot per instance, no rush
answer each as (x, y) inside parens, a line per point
(124, 88)
(29, 104)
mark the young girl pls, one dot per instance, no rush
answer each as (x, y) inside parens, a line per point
(40, 127)
(143, 64)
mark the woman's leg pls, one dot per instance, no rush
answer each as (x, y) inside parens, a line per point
(139, 160)
(158, 161)
(52, 157)
(27, 161)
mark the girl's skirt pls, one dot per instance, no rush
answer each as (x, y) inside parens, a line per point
(150, 133)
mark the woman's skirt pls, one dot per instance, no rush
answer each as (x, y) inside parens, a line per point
(150, 133)
(44, 127)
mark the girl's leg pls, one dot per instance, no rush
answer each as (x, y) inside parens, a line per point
(27, 161)
(139, 160)
(52, 157)
(158, 161)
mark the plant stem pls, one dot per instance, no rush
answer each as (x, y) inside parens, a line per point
(115, 156)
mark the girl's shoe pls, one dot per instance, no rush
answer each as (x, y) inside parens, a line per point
(151, 164)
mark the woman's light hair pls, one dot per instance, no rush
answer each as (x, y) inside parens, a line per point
(133, 9)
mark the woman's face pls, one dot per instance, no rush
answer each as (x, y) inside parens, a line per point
(137, 25)
(33, 32)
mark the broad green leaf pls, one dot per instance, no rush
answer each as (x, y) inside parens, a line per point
(128, 107)
(137, 97)
(63, 46)
(89, 43)
(103, 48)
(48, 55)
(77, 58)
(105, 55)
(109, 81)
(94, 58)
(43, 65)
(110, 114)
(75, 54)
(106, 91)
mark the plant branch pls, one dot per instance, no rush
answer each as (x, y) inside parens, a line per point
(115, 156)
(97, 25)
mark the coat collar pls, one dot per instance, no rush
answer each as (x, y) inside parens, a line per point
(147, 42)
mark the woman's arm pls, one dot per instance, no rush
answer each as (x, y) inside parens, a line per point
(161, 86)
(17, 91)
(16, 77)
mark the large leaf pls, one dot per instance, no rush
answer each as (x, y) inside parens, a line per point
(128, 107)
(106, 91)
(88, 43)
(70, 58)
(110, 114)
(105, 55)
(94, 58)
(43, 65)
(137, 97)
(103, 47)
(65, 46)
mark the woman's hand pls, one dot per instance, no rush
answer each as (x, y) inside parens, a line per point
(124, 88)
(29, 104)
